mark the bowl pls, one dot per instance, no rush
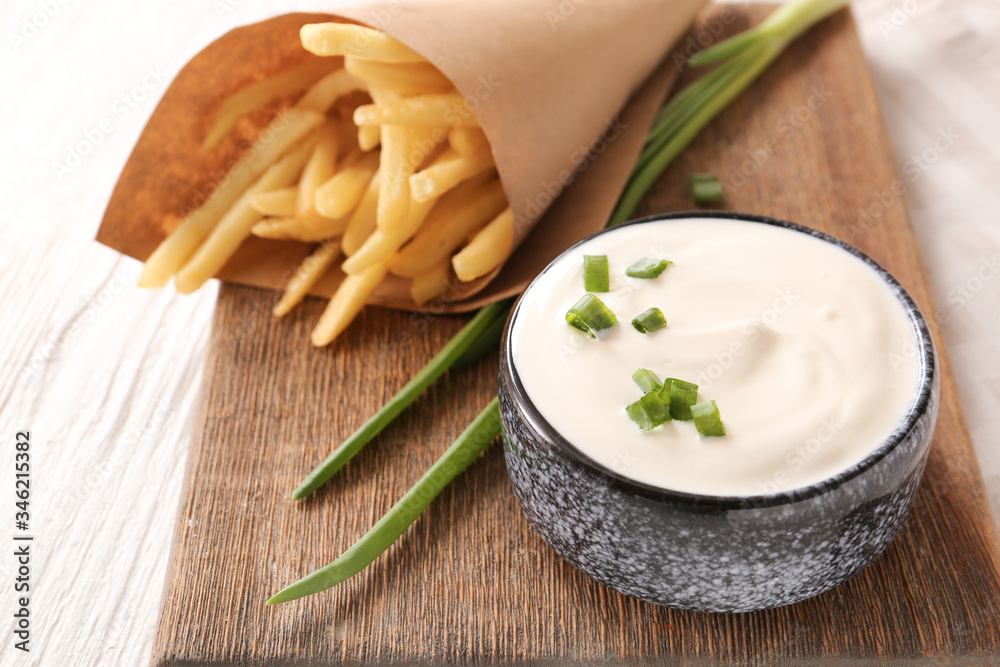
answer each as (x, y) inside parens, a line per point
(717, 553)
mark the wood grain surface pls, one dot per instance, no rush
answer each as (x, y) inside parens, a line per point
(470, 581)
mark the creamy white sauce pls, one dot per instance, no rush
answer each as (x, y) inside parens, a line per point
(806, 350)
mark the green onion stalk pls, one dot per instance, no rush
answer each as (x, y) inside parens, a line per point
(741, 59)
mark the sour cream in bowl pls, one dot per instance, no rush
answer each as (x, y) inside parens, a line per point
(809, 357)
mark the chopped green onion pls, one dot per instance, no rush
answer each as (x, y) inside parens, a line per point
(682, 396)
(647, 380)
(706, 189)
(649, 320)
(707, 419)
(590, 315)
(595, 273)
(649, 411)
(647, 268)
(665, 390)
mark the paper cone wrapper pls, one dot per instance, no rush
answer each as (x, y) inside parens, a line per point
(564, 90)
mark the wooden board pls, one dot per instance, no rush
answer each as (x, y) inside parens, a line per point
(470, 581)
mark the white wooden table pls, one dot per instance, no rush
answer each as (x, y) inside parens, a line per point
(106, 375)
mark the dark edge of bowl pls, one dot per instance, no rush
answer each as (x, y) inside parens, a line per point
(917, 407)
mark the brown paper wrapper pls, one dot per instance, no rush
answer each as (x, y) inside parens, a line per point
(565, 92)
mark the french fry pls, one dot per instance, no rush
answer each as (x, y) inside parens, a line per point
(362, 220)
(439, 109)
(325, 92)
(430, 189)
(320, 168)
(487, 250)
(402, 78)
(445, 174)
(171, 254)
(393, 197)
(369, 137)
(288, 229)
(394, 187)
(380, 245)
(434, 242)
(306, 275)
(346, 303)
(394, 190)
(430, 146)
(339, 195)
(345, 39)
(431, 283)
(279, 203)
(235, 225)
(376, 248)
(468, 140)
(263, 92)
(322, 227)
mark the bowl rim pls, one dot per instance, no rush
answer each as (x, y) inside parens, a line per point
(918, 407)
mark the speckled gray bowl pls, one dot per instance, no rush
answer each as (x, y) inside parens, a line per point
(714, 553)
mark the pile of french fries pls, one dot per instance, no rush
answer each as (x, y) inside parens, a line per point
(401, 181)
